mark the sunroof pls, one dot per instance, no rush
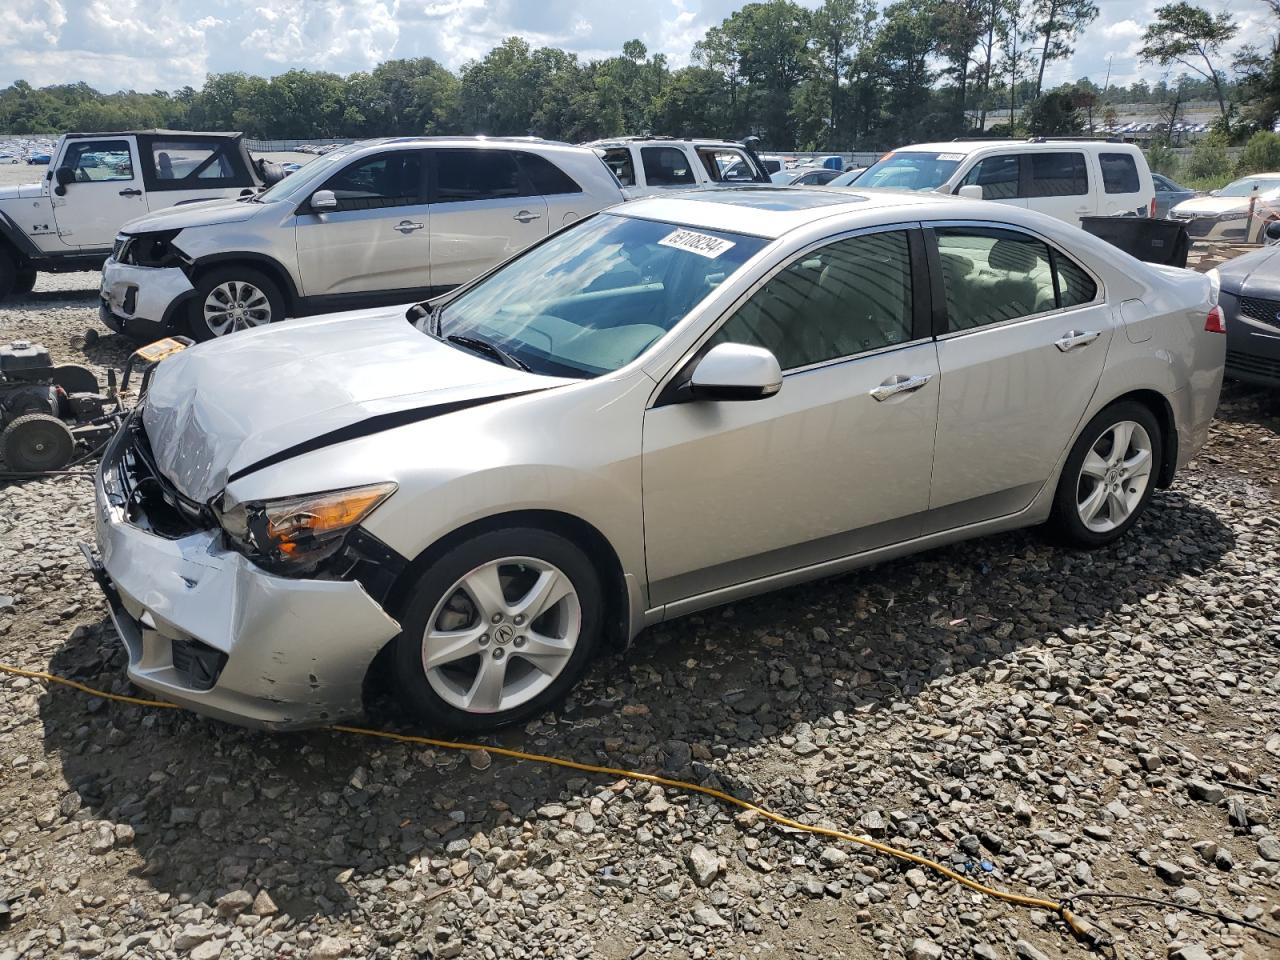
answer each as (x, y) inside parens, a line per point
(772, 198)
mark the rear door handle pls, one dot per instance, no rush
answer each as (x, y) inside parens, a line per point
(131, 193)
(527, 216)
(408, 226)
(900, 384)
(1075, 339)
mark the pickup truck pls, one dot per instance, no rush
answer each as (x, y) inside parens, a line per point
(648, 165)
(99, 181)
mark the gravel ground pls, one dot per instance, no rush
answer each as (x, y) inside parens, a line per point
(1051, 721)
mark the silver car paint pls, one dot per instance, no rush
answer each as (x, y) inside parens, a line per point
(578, 448)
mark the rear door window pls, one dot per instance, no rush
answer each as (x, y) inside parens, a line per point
(1058, 175)
(1119, 173)
(997, 176)
(992, 275)
(191, 164)
(478, 175)
(666, 167)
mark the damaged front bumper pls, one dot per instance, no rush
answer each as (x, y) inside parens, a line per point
(142, 301)
(207, 629)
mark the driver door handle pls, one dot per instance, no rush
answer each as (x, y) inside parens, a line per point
(1075, 339)
(408, 226)
(900, 384)
(527, 216)
(131, 192)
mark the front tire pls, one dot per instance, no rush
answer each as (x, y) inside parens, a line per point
(233, 298)
(497, 630)
(1109, 476)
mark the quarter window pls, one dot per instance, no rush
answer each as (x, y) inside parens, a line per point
(1058, 175)
(1074, 285)
(847, 298)
(386, 180)
(993, 275)
(545, 177)
(1119, 173)
(477, 175)
(94, 160)
(666, 166)
(997, 176)
(619, 161)
(727, 165)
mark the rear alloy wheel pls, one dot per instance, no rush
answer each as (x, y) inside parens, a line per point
(1110, 475)
(231, 300)
(498, 630)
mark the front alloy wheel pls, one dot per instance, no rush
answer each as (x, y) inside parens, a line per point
(501, 635)
(235, 305)
(497, 629)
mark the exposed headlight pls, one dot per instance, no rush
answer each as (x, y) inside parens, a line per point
(295, 534)
(153, 249)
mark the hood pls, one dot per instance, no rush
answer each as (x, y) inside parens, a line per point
(217, 408)
(1213, 206)
(204, 213)
(26, 191)
(1256, 273)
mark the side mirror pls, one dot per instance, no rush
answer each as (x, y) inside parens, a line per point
(323, 200)
(64, 175)
(735, 371)
(970, 191)
(1214, 193)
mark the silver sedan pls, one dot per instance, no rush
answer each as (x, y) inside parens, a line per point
(674, 404)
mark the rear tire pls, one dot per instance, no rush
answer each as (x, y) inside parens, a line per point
(37, 442)
(1104, 489)
(25, 281)
(233, 298)
(8, 274)
(467, 659)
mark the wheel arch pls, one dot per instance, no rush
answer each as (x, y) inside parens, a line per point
(273, 268)
(581, 533)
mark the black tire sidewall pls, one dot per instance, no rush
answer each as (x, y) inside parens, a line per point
(412, 687)
(8, 274)
(1066, 518)
(25, 281)
(196, 326)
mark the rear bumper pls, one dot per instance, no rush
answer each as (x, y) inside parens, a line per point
(206, 629)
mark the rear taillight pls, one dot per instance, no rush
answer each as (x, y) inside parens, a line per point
(1152, 211)
(1215, 322)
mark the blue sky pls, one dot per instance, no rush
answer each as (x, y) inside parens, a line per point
(165, 44)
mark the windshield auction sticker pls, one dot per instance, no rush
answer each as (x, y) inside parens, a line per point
(700, 243)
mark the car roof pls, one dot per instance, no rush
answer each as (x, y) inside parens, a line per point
(660, 142)
(526, 142)
(967, 147)
(769, 210)
(223, 134)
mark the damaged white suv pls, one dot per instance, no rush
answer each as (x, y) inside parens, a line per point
(378, 222)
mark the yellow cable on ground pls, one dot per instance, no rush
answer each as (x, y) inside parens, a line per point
(1079, 927)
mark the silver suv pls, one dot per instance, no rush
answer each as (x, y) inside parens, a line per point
(373, 223)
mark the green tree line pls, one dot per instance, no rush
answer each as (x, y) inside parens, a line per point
(850, 74)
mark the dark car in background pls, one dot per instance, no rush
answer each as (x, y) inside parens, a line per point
(1170, 193)
(1250, 301)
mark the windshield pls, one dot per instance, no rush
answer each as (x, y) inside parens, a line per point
(1242, 188)
(308, 177)
(911, 171)
(593, 298)
(846, 178)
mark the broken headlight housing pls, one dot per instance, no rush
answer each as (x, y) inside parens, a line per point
(154, 249)
(294, 535)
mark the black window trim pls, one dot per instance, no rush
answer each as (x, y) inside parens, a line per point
(941, 328)
(419, 201)
(921, 301)
(433, 184)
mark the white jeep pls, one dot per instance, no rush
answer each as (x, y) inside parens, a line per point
(98, 181)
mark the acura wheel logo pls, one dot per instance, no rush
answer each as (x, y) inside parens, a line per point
(504, 633)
